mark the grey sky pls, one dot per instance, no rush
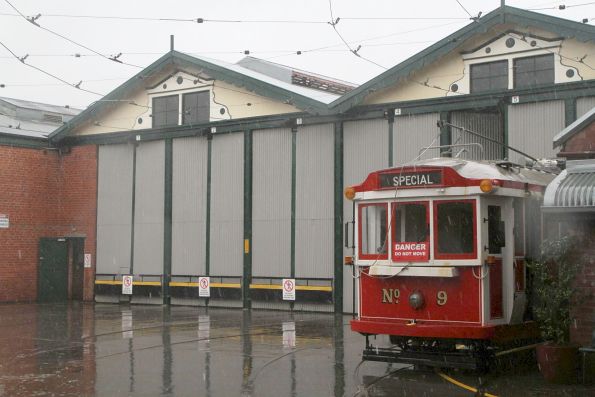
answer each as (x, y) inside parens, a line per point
(383, 41)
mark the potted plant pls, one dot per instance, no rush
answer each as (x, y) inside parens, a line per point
(554, 294)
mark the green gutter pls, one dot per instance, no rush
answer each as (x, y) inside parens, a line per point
(24, 142)
(338, 193)
(247, 271)
(167, 221)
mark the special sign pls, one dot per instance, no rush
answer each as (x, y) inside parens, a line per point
(411, 179)
(411, 252)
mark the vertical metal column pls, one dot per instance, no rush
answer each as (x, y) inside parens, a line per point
(338, 268)
(391, 125)
(247, 271)
(569, 111)
(167, 221)
(293, 199)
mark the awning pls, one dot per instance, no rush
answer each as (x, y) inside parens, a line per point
(573, 190)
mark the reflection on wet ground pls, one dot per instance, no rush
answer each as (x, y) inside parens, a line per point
(111, 350)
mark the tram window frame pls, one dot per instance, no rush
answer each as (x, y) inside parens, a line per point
(372, 255)
(519, 226)
(395, 228)
(451, 255)
(496, 230)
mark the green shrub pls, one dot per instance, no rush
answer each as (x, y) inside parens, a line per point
(553, 287)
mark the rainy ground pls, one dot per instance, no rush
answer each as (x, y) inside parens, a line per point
(119, 350)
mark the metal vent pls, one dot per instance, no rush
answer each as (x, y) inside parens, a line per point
(52, 118)
(576, 190)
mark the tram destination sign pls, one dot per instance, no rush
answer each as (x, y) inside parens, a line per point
(410, 179)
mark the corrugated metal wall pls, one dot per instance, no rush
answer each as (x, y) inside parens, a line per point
(532, 126)
(227, 205)
(148, 211)
(189, 197)
(314, 218)
(114, 209)
(271, 203)
(485, 123)
(365, 148)
(411, 133)
(583, 105)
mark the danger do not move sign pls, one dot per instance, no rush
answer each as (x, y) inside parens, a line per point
(204, 287)
(288, 289)
(126, 285)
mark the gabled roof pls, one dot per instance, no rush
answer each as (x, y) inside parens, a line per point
(574, 128)
(509, 15)
(307, 99)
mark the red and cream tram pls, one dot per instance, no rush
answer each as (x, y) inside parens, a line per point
(439, 250)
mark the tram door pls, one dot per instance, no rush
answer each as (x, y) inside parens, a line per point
(497, 246)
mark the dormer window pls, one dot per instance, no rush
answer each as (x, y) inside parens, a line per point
(534, 71)
(166, 111)
(196, 107)
(489, 76)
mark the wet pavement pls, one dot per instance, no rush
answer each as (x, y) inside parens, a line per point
(119, 350)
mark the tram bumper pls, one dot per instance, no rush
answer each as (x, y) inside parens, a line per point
(433, 330)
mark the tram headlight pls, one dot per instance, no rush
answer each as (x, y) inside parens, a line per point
(486, 185)
(349, 193)
(416, 300)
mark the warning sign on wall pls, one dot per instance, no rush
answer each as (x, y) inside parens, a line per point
(87, 260)
(4, 221)
(204, 287)
(288, 289)
(127, 285)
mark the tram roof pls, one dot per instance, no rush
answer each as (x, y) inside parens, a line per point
(486, 169)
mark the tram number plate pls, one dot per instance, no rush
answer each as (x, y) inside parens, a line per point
(441, 298)
(391, 295)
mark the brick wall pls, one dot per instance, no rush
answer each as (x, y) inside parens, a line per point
(45, 194)
(584, 313)
(581, 145)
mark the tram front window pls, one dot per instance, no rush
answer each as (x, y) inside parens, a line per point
(411, 237)
(373, 241)
(455, 230)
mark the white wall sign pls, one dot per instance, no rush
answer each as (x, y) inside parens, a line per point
(288, 289)
(4, 221)
(127, 285)
(87, 260)
(204, 287)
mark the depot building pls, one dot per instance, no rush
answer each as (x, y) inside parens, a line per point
(199, 168)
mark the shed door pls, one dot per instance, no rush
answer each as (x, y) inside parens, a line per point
(53, 270)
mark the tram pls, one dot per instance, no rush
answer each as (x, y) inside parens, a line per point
(439, 250)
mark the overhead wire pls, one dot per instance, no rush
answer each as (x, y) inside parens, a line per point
(200, 20)
(33, 21)
(561, 6)
(22, 60)
(333, 22)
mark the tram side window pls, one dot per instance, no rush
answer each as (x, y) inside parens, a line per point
(372, 238)
(496, 239)
(455, 229)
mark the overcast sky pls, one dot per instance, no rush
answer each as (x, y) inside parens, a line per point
(385, 39)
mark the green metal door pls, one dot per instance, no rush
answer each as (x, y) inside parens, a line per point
(53, 270)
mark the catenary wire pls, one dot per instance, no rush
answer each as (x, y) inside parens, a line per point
(33, 22)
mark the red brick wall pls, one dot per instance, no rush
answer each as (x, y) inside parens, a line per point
(584, 312)
(581, 145)
(45, 194)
